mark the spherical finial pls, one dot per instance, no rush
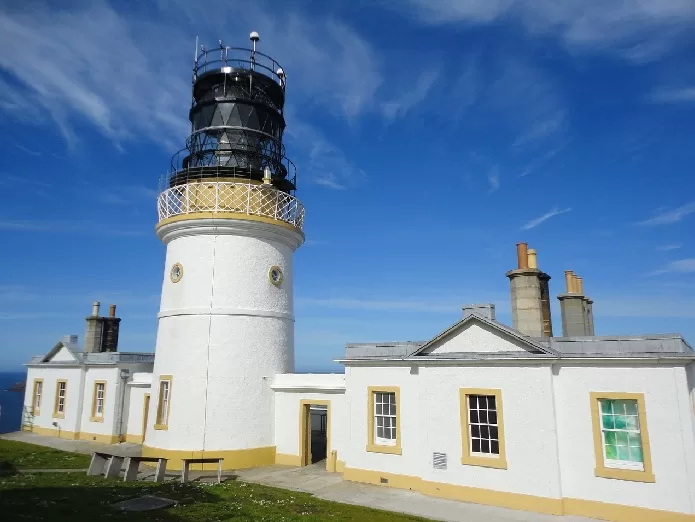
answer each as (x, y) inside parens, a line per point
(280, 73)
(254, 36)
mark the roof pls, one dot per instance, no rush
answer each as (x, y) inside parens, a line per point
(658, 344)
(89, 359)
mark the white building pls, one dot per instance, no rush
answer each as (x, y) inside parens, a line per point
(595, 426)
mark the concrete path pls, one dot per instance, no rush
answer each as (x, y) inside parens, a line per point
(331, 486)
(87, 447)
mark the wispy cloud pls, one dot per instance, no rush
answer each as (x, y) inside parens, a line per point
(669, 247)
(68, 227)
(545, 217)
(681, 266)
(679, 95)
(670, 216)
(23, 180)
(28, 151)
(493, 178)
(543, 159)
(638, 31)
(401, 105)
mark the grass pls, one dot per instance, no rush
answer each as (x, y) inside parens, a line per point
(20, 455)
(75, 496)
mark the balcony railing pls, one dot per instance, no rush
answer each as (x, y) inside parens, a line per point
(222, 196)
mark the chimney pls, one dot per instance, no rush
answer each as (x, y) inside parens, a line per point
(111, 328)
(486, 310)
(93, 330)
(530, 293)
(577, 309)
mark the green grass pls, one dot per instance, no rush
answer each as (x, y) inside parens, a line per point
(20, 455)
(76, 497)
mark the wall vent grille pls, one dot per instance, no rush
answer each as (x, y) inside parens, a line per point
(439, 460)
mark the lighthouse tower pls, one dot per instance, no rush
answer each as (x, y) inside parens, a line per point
(230, 223)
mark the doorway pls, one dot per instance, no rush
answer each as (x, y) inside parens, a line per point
(315, 431)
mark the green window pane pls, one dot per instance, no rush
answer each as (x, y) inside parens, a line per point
(611, 452)
(622, 438)
(623, 453)
(631, 422)
(610, 437)
(636, 455)
(620, 422)
(605, 406)
(635, 440)
(608, 422)
(619, 407)
(631, 407)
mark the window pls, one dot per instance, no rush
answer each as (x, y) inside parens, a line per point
(482, 429)
(621, 442)
(383, 420)
(164, 403)
(59, 406)
(37, 395)
(98, 401)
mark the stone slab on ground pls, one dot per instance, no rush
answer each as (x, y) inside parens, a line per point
(144, 503)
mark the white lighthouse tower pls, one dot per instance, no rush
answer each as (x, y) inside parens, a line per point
(231, 224)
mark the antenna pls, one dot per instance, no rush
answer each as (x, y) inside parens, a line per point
(254, 37)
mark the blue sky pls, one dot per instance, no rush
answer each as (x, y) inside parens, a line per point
(430, 137)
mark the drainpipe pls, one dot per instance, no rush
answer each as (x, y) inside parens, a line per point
(124, 374)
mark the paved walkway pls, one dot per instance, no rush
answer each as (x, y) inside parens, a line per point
(87, 447)
(331, 486)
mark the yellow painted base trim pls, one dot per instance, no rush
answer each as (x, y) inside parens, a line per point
(97, 437)
(340, 466)
(134, 439)
(53, 432)
(227, 215)
(288, 460)
(532, 503)
(233, 459)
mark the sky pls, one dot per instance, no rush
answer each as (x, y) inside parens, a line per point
(430, 137)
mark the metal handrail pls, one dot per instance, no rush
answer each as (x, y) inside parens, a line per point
(203, 64)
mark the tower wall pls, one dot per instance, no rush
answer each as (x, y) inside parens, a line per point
(224, 331)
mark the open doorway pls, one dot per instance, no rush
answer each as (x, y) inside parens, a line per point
(315, 423)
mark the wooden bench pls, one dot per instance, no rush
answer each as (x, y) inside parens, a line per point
(107, 464)
(133, 465)
(187, 463)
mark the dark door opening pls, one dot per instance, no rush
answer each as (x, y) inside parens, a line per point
(315, 433)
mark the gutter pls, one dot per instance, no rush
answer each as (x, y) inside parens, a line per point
(517, 361)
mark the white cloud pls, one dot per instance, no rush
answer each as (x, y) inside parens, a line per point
(669, 247)
(401, 105)
(493, 178)
(68, 227)
(638, 30)
(668, 217)
(681, 266)
(545, 217)
(678, 95)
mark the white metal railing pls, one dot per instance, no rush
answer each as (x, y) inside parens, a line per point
(222, 196)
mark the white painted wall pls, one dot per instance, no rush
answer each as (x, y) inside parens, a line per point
(476, 337)
(224, 331)
(430, 422)
(111, 376)
(670, 428)
(63, 355)
(136, 404)
(287, 409)
(51, 375)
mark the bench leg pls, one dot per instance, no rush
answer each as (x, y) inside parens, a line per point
(219, 471)
(184, 473)
(96, 466)
(114, 467)
(160, 470)
(131, 469)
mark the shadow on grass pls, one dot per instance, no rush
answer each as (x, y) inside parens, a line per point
(77, 497)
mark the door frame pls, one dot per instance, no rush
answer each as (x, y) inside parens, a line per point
(145, 414)
(305, 431)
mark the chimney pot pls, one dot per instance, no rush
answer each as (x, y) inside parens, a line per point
(112, 310)
(532, 258)
(568, 281)
(522, 255)
(95, 308)
(580, 285)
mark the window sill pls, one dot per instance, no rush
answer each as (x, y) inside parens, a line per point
(498, 463)
(377, 448)
(59, 415)
(96, 419)
(163, 427)
(625, 474)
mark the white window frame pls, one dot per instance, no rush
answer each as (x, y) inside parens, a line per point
(38, 396)
(99, 389)
(164, 398)
(390, 418)
(617, 463)
(62, 394)
(482, 454)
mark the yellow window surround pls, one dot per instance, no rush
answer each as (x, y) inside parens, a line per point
(601, 470)
(37, 396)
(468, 457)
(162, 421)
(372, 445)
(97, 416)
(58, 412)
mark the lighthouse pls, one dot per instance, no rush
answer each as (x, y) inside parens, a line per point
(231, 223)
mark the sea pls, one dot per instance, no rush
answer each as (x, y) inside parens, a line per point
(11, 402)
